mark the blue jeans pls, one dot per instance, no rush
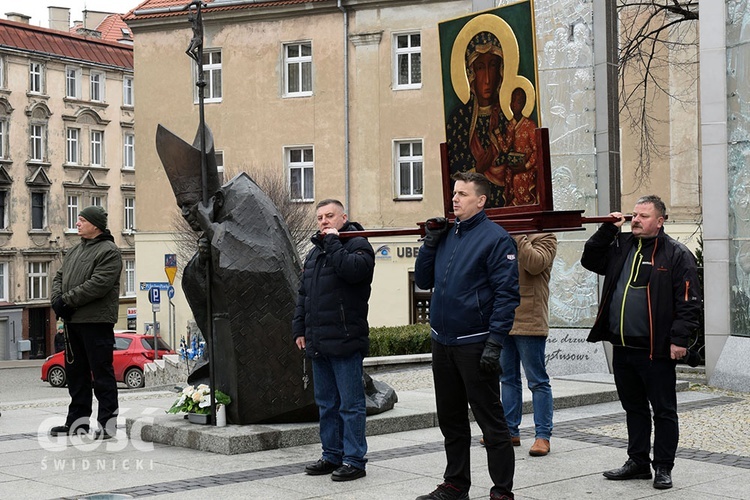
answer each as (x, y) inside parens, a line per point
(529, 351)
(340, 396)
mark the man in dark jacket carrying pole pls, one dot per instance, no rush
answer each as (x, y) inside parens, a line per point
(85, 295)
(650, 305)
(474, 273)
(330, 323)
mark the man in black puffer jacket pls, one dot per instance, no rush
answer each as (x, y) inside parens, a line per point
(330, 323)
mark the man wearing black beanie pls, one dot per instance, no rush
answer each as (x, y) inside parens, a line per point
(85, 295)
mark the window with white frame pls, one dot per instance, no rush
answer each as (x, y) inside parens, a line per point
(4, 199)
(36, 77)
(407, 73)
(300, 164)
(74, 203)
(2, 73)
(127, 91)
(38, 210)
(129, 281)
(219, 155)
(97, 86)
(211, 76)
(36, 138)
(38, 284)
(72, 82)
(129, 219)
(97, 148)
(97, 201)
(72, 146)
(128, 153)
(409, 161)
(3, 137)
(3, 282)
(298, 69)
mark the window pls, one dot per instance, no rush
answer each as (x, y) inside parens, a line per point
(96, 201)
(97, 86)
(2, 73)
(127, 91)
(4, 281)
(36, 78)
(4, 198)
(408, 156)
(97, 147)
(128, 153)
(4, 142)
(301, 180)
(74, 202)
(72, 146)
(298, 69)
(129, 221)
(38, 210)
(36, 137)
(407, 73)
(38, 280)
(72, 82)
(219, 155)
(129, 281)
(211, 76)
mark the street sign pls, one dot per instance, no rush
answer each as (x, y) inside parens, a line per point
(170, 266)
(154, 295)
(170, 292)
(148, 285)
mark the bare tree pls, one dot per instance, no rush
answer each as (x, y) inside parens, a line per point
(658, 41)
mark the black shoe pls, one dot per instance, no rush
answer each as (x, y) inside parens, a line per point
(662, 478)
(103, 434)
(630, 470)
(348, 473)
(446, 491)
(320, 468)
(65, 430)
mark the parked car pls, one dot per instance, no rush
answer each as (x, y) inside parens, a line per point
(131, 352)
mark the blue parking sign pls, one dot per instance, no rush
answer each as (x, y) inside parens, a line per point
(154, 295)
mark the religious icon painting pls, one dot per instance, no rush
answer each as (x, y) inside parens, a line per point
(491, 104)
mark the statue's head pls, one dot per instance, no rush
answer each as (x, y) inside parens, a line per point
(182, 163)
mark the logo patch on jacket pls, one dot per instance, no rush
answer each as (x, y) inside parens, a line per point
(511, 256)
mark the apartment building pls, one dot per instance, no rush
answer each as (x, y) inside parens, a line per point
(67, 140)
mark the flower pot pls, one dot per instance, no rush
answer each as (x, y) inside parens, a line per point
(199, 418)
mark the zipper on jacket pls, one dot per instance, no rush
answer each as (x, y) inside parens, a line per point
(648, 296)
(343, 316)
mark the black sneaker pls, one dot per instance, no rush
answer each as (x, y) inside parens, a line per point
(348, 473)
(103, 434)
(446, 491)
(630, 470)
(65, 430)
(320, 468)
(662, 478)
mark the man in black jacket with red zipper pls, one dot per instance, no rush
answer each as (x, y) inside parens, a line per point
(650, 305)
(330, 323)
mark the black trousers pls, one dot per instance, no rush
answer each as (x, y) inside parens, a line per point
(88, 365)
(641, 381)
(458, 384)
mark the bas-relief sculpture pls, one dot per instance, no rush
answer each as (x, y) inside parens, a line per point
(254, 280)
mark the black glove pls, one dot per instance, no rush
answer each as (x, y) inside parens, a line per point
(490, 360)
(434, 229)
(62, 310)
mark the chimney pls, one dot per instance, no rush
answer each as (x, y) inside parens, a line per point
(59, 18)
(19, 18)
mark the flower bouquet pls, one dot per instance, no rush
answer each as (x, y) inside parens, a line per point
(197, 400)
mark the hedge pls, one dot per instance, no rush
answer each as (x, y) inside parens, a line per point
(398, 340)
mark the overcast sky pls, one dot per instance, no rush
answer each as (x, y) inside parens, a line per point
(37, 9)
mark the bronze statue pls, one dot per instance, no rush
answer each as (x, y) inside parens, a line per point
(255, 276)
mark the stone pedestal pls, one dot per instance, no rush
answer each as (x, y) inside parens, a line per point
(732, 371)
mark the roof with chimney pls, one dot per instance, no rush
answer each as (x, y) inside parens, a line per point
(43, 41)
(112, 29)
(172, 8)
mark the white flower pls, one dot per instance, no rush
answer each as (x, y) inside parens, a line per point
(188, 390)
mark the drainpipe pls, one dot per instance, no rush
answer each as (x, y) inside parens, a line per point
(346, 108)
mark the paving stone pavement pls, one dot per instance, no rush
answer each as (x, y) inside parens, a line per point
(713, 461)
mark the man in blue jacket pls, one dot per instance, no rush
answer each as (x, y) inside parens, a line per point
(473, 271)
(330, 323)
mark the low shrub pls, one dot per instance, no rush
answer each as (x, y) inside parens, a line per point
(399, 340)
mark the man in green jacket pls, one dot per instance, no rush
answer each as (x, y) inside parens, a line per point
(85, 295)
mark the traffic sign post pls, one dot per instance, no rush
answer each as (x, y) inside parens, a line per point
(170, 268)
(154, 296)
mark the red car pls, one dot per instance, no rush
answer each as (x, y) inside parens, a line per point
(131, 352)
